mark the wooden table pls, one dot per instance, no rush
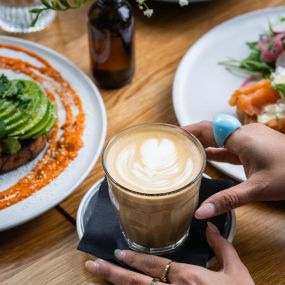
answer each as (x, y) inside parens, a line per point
(43, 251)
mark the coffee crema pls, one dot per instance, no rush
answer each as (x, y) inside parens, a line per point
(153, 160)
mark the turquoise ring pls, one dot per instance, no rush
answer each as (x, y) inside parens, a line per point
(223, 126)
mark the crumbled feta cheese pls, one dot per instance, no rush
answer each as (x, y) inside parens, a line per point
(278, 77)
(272, 112)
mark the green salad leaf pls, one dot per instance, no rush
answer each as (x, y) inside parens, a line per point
(252, 65)
(4, 85)
(13, 91)
(281, 89)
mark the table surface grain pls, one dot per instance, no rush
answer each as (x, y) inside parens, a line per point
(43, 251)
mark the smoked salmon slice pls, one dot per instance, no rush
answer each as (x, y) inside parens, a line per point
(251, 98)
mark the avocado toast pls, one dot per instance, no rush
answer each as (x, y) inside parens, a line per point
(27, 117)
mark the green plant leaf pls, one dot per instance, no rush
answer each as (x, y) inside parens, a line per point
(57, 5)
(46, 3)
(65, 3)
(35, 19)
(35, 10)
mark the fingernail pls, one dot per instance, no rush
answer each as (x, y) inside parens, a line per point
(120, 254)
(92, 266)
(207, 210)
(213, 228)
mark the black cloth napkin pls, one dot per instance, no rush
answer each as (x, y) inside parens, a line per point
(102, 235)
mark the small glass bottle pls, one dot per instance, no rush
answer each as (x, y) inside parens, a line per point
(111, 42)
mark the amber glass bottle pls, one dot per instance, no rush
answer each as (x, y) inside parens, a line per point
(111, 42)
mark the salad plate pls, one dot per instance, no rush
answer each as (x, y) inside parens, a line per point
(93, 136)
(202, 87)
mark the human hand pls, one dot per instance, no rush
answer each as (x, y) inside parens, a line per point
(233, 271)
(260, 150)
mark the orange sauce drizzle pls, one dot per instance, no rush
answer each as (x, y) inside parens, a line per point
(61, 150)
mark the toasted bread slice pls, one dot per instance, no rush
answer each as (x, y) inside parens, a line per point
(30, 149)
(245, 118)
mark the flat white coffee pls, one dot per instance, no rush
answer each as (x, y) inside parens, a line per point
(153, 160)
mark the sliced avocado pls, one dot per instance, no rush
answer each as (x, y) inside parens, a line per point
(43, 126)
(31, 99)
(16, 126)
(8, 112)
(49, 124)
(36, 117)
(10, 145)
(40, 125)
(2, 129)
(25, 110)
(17, 115)
(23, 105)
(20, 119)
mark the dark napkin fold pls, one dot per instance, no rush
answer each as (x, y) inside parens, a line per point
(102, 234)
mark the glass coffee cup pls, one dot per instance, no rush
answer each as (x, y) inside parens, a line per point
(154, 173)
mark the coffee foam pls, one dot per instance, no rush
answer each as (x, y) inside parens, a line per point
(153, 160)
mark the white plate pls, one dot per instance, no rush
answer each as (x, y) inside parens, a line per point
(202, 88)
(93, 138)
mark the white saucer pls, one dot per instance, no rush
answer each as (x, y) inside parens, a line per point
(84, 212)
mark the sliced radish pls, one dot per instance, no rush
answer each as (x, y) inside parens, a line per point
(271, 47)
(278, 41)
(280, 61)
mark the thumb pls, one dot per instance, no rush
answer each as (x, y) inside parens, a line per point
(223, 249)
(226, 200)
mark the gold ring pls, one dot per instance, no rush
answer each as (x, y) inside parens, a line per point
(164, 277)
(154, 281)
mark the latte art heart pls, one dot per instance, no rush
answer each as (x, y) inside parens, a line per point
(153, 161)
(158, 154)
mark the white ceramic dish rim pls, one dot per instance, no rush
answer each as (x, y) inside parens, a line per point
(103, 114)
